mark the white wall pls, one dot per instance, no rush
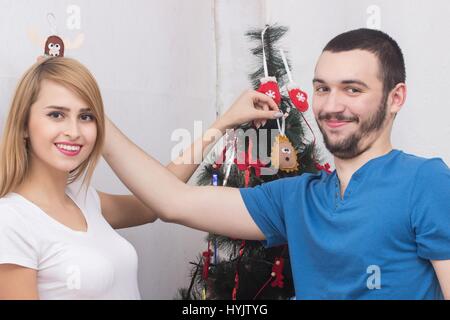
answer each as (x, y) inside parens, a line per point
(163, 64)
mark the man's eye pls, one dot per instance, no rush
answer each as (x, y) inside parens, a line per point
(87, 117)
(55, 115)
(321, 89)
(353, 90)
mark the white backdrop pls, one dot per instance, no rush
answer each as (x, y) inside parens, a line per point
(162, 65)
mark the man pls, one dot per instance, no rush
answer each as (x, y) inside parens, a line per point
(378, 227)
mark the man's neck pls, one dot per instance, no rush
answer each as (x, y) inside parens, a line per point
(345, 168)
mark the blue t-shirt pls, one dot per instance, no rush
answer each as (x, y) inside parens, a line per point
(375, 243)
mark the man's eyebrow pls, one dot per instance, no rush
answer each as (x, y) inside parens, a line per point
(66, 109)
(318, 80)
(351, 81)
(361, 83)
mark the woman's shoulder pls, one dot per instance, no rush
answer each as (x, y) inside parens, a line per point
(12, 210)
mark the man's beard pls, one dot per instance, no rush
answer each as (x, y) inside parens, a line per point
(349, 147)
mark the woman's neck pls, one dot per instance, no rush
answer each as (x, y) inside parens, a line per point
(44, 184)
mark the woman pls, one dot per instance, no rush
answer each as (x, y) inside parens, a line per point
(57, 238)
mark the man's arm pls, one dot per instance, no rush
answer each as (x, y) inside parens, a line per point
(442, 269)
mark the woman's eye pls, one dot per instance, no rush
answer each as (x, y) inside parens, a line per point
(87, 117)
(55, 115)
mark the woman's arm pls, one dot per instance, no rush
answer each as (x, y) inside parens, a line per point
(442, 269)
(122, 211)
(18, 283)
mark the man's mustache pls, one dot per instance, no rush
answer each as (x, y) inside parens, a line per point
(338, 117)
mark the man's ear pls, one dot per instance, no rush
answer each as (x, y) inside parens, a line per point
(397, 98)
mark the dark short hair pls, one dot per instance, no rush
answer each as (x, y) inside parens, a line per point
(388, 52)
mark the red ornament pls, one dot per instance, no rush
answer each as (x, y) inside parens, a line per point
(248, 164)
(298, 97)
(206, 263)
(269, 87)
(325, 167)
(236, 277)
(277, 273)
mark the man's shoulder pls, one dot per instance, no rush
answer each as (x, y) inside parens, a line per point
(304, 179)
(420, 165)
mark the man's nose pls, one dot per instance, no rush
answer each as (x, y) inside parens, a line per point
(332, 103)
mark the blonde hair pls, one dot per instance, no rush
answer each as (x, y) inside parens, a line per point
(14, 161)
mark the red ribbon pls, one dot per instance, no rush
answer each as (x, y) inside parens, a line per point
(277, 273)
(325, 167)
(236, 277)
(206, 262)
(248, 164)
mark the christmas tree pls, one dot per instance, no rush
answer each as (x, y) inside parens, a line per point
(246, 270)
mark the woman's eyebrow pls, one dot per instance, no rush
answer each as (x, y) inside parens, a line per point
(66, 109)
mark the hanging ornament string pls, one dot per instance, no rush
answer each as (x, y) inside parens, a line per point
(286, 66)
(298, 97)
(310, 129)
(281, 128)
(266, 71)
(268, 84)
(229, 156)
(215, 182)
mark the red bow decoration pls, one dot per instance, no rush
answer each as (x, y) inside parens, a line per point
(277, 273)
(248, 163)
(325, 167)
(298, 97)
(236, 277)
(269, 87)
(206, 263)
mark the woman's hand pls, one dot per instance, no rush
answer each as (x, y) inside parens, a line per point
(250, 106)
